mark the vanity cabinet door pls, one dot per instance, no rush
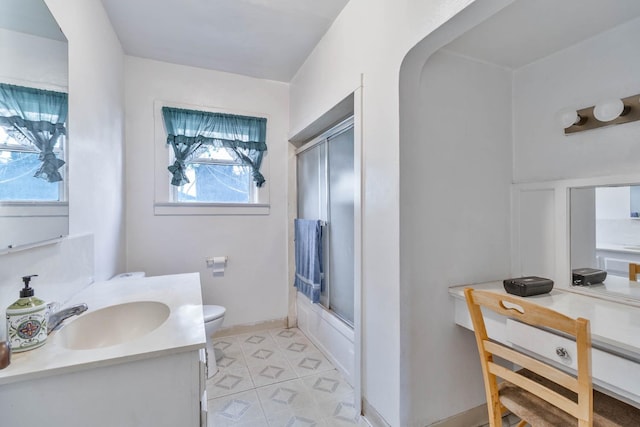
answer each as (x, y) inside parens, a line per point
(151, 392)
(203, 388)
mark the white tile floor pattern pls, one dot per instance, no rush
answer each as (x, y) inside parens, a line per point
(277, 378)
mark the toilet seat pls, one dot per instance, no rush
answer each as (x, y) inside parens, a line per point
(213, 312)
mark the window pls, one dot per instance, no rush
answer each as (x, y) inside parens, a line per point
(19, 161)
(215, 176)
(32, 137)
(215, 157)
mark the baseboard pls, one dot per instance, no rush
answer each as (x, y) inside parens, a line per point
(473, 417)
(251, 327)
(372, 416)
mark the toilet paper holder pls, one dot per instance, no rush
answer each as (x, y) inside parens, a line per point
(217, 261)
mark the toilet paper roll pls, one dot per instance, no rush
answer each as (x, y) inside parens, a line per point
(219, 263)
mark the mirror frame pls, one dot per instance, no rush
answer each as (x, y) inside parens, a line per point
(560, 189)
(55, 210)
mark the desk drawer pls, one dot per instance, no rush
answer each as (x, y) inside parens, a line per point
(609, 371)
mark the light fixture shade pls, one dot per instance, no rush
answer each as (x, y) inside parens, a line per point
(607, 110)
(568, 117)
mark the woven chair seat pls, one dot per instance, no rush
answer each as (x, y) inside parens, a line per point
(607, 411)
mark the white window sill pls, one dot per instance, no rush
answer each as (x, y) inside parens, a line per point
(163, 209)
(32, 209)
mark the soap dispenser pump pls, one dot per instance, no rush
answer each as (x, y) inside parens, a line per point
(27, 320)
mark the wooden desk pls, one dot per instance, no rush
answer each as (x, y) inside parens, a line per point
(615, 333)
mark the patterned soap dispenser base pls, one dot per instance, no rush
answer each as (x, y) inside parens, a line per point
(26, 320)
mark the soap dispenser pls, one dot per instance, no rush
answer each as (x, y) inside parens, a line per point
(27, 320)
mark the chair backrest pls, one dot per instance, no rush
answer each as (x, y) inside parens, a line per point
(634, 270)
(534, 315)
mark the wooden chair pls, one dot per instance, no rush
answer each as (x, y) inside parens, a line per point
(634, 270)
(540, 394)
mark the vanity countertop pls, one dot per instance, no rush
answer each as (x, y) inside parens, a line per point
(615, 326)
(615, 288)
(182, 331)
(623, 248)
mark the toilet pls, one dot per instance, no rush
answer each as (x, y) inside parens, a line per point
(213, 319)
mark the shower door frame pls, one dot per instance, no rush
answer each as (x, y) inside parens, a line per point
(354, 103)
(325, 138)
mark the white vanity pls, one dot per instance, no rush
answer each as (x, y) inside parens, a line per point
(556, 226)
(615, 331)
(133, 359)
(616, 258)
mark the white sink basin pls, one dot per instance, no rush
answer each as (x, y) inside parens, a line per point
(113, 325)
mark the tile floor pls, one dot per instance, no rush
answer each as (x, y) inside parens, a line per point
(277, 378)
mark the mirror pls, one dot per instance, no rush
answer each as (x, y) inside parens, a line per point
(605, 234)
(34, 56)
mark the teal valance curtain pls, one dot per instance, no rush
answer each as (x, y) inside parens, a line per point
(39, 117)
(243, 137)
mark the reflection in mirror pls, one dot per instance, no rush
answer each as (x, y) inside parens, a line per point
(605, 235)
(33, 112)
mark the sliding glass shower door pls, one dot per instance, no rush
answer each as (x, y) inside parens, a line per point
(326, 191)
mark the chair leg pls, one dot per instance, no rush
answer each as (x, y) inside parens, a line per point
(522, 423)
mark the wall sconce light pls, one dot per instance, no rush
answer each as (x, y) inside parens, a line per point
(608, 110)
(605, 113)
(570, 117)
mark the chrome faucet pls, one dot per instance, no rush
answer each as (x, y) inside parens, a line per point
(56, 319)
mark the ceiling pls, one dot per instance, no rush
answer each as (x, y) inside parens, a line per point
(30, 17)
(268, 39)
(529, 30)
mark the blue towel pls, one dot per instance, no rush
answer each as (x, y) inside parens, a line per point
(308, 245)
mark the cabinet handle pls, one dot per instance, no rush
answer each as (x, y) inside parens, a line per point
(562, 353)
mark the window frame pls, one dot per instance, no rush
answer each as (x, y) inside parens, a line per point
(173, 190)
(61, 153)
(165, 200)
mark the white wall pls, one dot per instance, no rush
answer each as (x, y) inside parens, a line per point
(96, 130)
(455, 180)
(255, 286)
(43, 224)
(613, 202)
(604, 66)
(583, 228)
(613, 226)
(37, 61)
(370, 38)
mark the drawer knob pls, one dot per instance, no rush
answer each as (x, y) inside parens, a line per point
(562, 353)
